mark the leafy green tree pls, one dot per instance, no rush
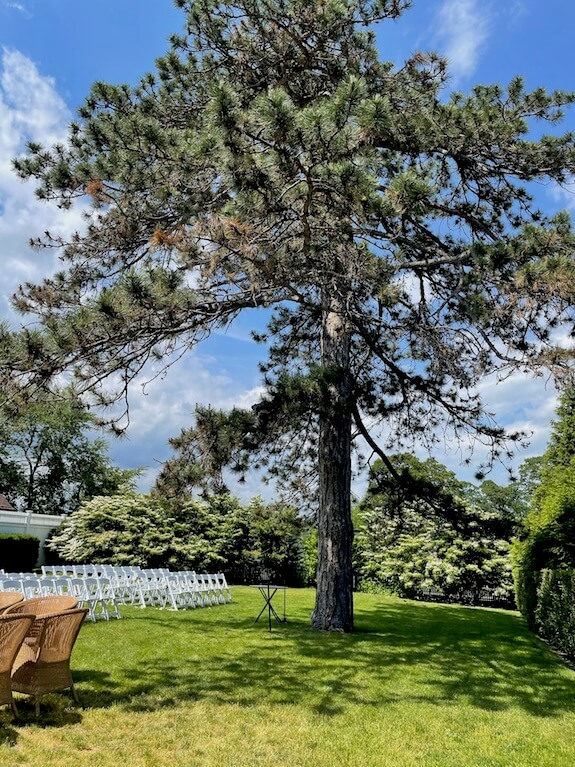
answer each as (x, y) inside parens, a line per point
(548, 539)
(421, 555)
(409, 541)
(129, 529)
(561, 448)
(273, 161)
(243, 541)
(218, 534)
(309, 556)
(550, 523)
(50, 460)
(510, 503)
(276, 534)
(507, 503)
(529, 480)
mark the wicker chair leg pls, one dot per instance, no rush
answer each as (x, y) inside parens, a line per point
(74, 694)
(14, 709)
(37, 706)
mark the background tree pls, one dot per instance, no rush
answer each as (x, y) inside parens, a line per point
(274, 161)
(51, 460)
(427, 533)
(548, 537)
(551, 518)
(217, 530)
(127, 529)
(509, 504)
(276, 531)
(529, 480)
(242, 541)
(213, 535)
(547, 541)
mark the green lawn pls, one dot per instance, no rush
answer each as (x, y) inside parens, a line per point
(417, 684)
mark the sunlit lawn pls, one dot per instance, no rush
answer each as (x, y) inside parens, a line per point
(417, 684)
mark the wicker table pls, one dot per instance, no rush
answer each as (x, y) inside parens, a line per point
(268, 592)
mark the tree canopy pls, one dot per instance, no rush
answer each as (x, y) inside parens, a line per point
(51, 458)
(548, 536)
(208, 536)
(272, 160)
(550, 523)
(432, 533)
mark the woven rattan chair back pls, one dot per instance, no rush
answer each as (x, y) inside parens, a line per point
(8, 599)
(13, 629)
(47, 669)
(44, 605)
(41, 606)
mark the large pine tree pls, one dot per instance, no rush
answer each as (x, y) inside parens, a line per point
(273, 161)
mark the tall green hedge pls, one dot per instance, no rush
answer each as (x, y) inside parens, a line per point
(550, 540)
(18, 553)
(555, 609)
(526, 578)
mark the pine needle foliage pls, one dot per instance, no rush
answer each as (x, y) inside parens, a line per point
(272, 160)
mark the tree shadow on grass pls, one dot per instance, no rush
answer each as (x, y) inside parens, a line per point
(486, 658)
(8, 734)
(55, 711)
(401, 652)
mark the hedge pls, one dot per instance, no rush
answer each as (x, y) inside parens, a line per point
(555, 609)
(18, 553)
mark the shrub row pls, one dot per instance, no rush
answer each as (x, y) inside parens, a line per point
(546, 598)
(554, 611)
(217, 535)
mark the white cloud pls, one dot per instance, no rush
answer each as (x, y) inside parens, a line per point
(18, 7)
(34, 108)
(563, 194)
(30, 110)
(161, 408)
(462, 30)
(518, 403)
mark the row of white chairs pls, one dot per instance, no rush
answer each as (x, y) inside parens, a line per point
(101, 588)
(97, 594)
(158, 587)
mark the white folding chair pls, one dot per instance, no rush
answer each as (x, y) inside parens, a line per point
(79, 589)
(179, 595)
(11, 584)
(224, 588)
(153, 589)
(108, 599)
(31, 587)
(132, 586)
(61, 585)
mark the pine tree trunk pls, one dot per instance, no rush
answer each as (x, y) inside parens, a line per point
(334, 598)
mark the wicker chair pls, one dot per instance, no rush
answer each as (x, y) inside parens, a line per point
(45, 667)
(9, 598)
(40, 607)
(13, 629)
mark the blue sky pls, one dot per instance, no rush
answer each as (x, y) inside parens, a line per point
(53, 50)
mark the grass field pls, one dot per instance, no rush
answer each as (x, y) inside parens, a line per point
(417, 685)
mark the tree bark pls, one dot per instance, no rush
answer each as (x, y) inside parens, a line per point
(334, 597)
